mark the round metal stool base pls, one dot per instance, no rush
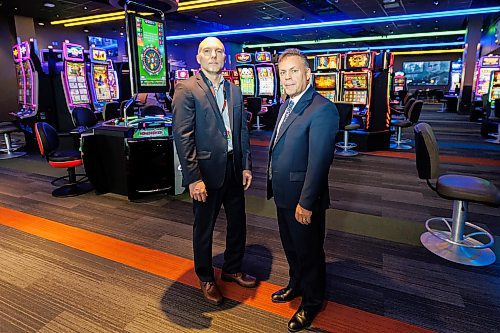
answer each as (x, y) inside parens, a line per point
(10, 155)
(346, 153)
(72, 190)
(400, 146)
(493, 140)
(455, 253)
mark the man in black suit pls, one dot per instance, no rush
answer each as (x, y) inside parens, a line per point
(211, 137)
(300, 154)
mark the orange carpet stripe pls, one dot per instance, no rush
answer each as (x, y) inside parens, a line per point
(335, 317)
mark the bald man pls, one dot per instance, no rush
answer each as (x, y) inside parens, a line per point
(211, 138)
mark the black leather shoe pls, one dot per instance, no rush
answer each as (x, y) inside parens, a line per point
(302, 319)
(284, 295)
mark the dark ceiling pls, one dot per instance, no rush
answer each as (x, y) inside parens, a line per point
(272, 13)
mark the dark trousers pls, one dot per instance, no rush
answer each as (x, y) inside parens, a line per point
(231, 195)
(303, 245)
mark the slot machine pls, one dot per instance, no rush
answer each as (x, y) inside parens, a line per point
(267, 81)
(326, 75)
(494, 90)
(246, 73)
(226, 74)
(486, 66)
(180, 75)
(456, 76)
(356, 80)
(16, 53)
(236, 77)
(114, 88)
(73, 76)
(99, 78)
(30, 83)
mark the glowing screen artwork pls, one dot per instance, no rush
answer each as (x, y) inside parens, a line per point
(75, 72)
(358, 60)
(151, 52)
(266, 81)
(327, 62)
(247, 80)
(430, 73)
(325, 81)
(101, 83)
(355, 81)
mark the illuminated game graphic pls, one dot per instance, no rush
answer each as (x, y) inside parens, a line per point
(113, 81)
(356, 81)
(490, 62)
(28, 73)
(262, 57)
(435, 73)
(325, 81)
(242, 58)
(358, 60)
(75, 72)
(327, 62)
(495, 86)
(356, 88)
(16, 53)
(101, 82)
(487, 65)
(151, 52)
(247, 80)
(328, 94)
(266, 81)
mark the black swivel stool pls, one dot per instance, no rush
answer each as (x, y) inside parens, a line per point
(152, 110)
(345, 148)
(111, 110)
(6, 130)
(254, 106)
(413, 116)
(454, 239)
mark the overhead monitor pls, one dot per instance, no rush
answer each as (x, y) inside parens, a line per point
(148, 56)
(427, 73)
(109, 45)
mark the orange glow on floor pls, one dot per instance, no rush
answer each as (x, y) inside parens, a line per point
(335, 318)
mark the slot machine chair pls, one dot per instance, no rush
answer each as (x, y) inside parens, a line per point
(111, 110)
(451, 241)
(345, 148)
(48, 143)
(413, 116)
(400, 114)
(83, 118)
(254, 106)
(9, 150)
(152, 110)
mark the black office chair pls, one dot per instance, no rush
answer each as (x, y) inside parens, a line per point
(345, 148)
(48, 142)
(83, 117)
(111, 111)
(450, 241)
(254, 106)
(152, 110)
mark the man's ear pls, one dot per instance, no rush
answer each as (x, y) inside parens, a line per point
(198, 59)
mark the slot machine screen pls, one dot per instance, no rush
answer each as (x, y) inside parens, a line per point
(357, 60)
(427, 72)
(247, 81)
(74, 52)
(329, 94)
(490, 62)
(75, 72)
(327, 62)
(266, 81)
(355, 81)
(101, 82)
(150, 66)
(325, 81)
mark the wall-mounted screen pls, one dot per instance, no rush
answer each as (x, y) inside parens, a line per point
(428, 73)
(110, 45)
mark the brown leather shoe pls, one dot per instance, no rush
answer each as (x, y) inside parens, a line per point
(211, 292)
(243, 279)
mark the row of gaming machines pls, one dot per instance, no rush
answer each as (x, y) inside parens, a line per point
(89, 81)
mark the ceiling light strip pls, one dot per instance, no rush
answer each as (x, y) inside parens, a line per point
(86, 18)
(428, 52)
(395, 18)
(359, 39)
(197, 2)
(101, 20)
(387, 47)
(211, 4)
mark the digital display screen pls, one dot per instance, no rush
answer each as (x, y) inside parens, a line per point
(357, 60)
(25, 50)
(247, 80)
(325, 81)
(490, 62)
(329, 94)
(429, 73)
(101, 82)
(266, 81)
(356, 96)
(483, 80)
(109, 45)
(74, 52)
(75, 72)
(181, 74)
(262, 56)
(151, 52)
(327, 62)
(16, 53)
(28, 83)
(356, 81)
(98, 55)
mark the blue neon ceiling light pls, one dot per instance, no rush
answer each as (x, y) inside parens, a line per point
(395, 18)
(386, 47)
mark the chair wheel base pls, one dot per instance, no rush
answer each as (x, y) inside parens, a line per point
(72, 190)
(455, 253)
(10, 155)
(400, 146)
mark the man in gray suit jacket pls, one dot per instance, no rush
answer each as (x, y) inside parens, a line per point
(211, 137)
(300, 155)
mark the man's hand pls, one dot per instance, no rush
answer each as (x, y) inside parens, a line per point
(198, 191)
(302, 215)
(247, 178)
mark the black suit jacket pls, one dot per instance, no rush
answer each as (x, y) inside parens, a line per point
(303, 153)
(200, 136)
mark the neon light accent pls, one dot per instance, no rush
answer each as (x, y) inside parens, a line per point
(107, 19)
(86, 18)
(360, 39)
(385, 47)
(381, 19)
(210, 4)
(428, 52)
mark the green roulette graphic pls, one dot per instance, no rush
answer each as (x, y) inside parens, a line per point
(151, 60)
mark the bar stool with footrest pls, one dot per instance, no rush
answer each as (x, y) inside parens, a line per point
(48, 142)
(412, 118)
(10, 152)
(345, 148)
(454, 239)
